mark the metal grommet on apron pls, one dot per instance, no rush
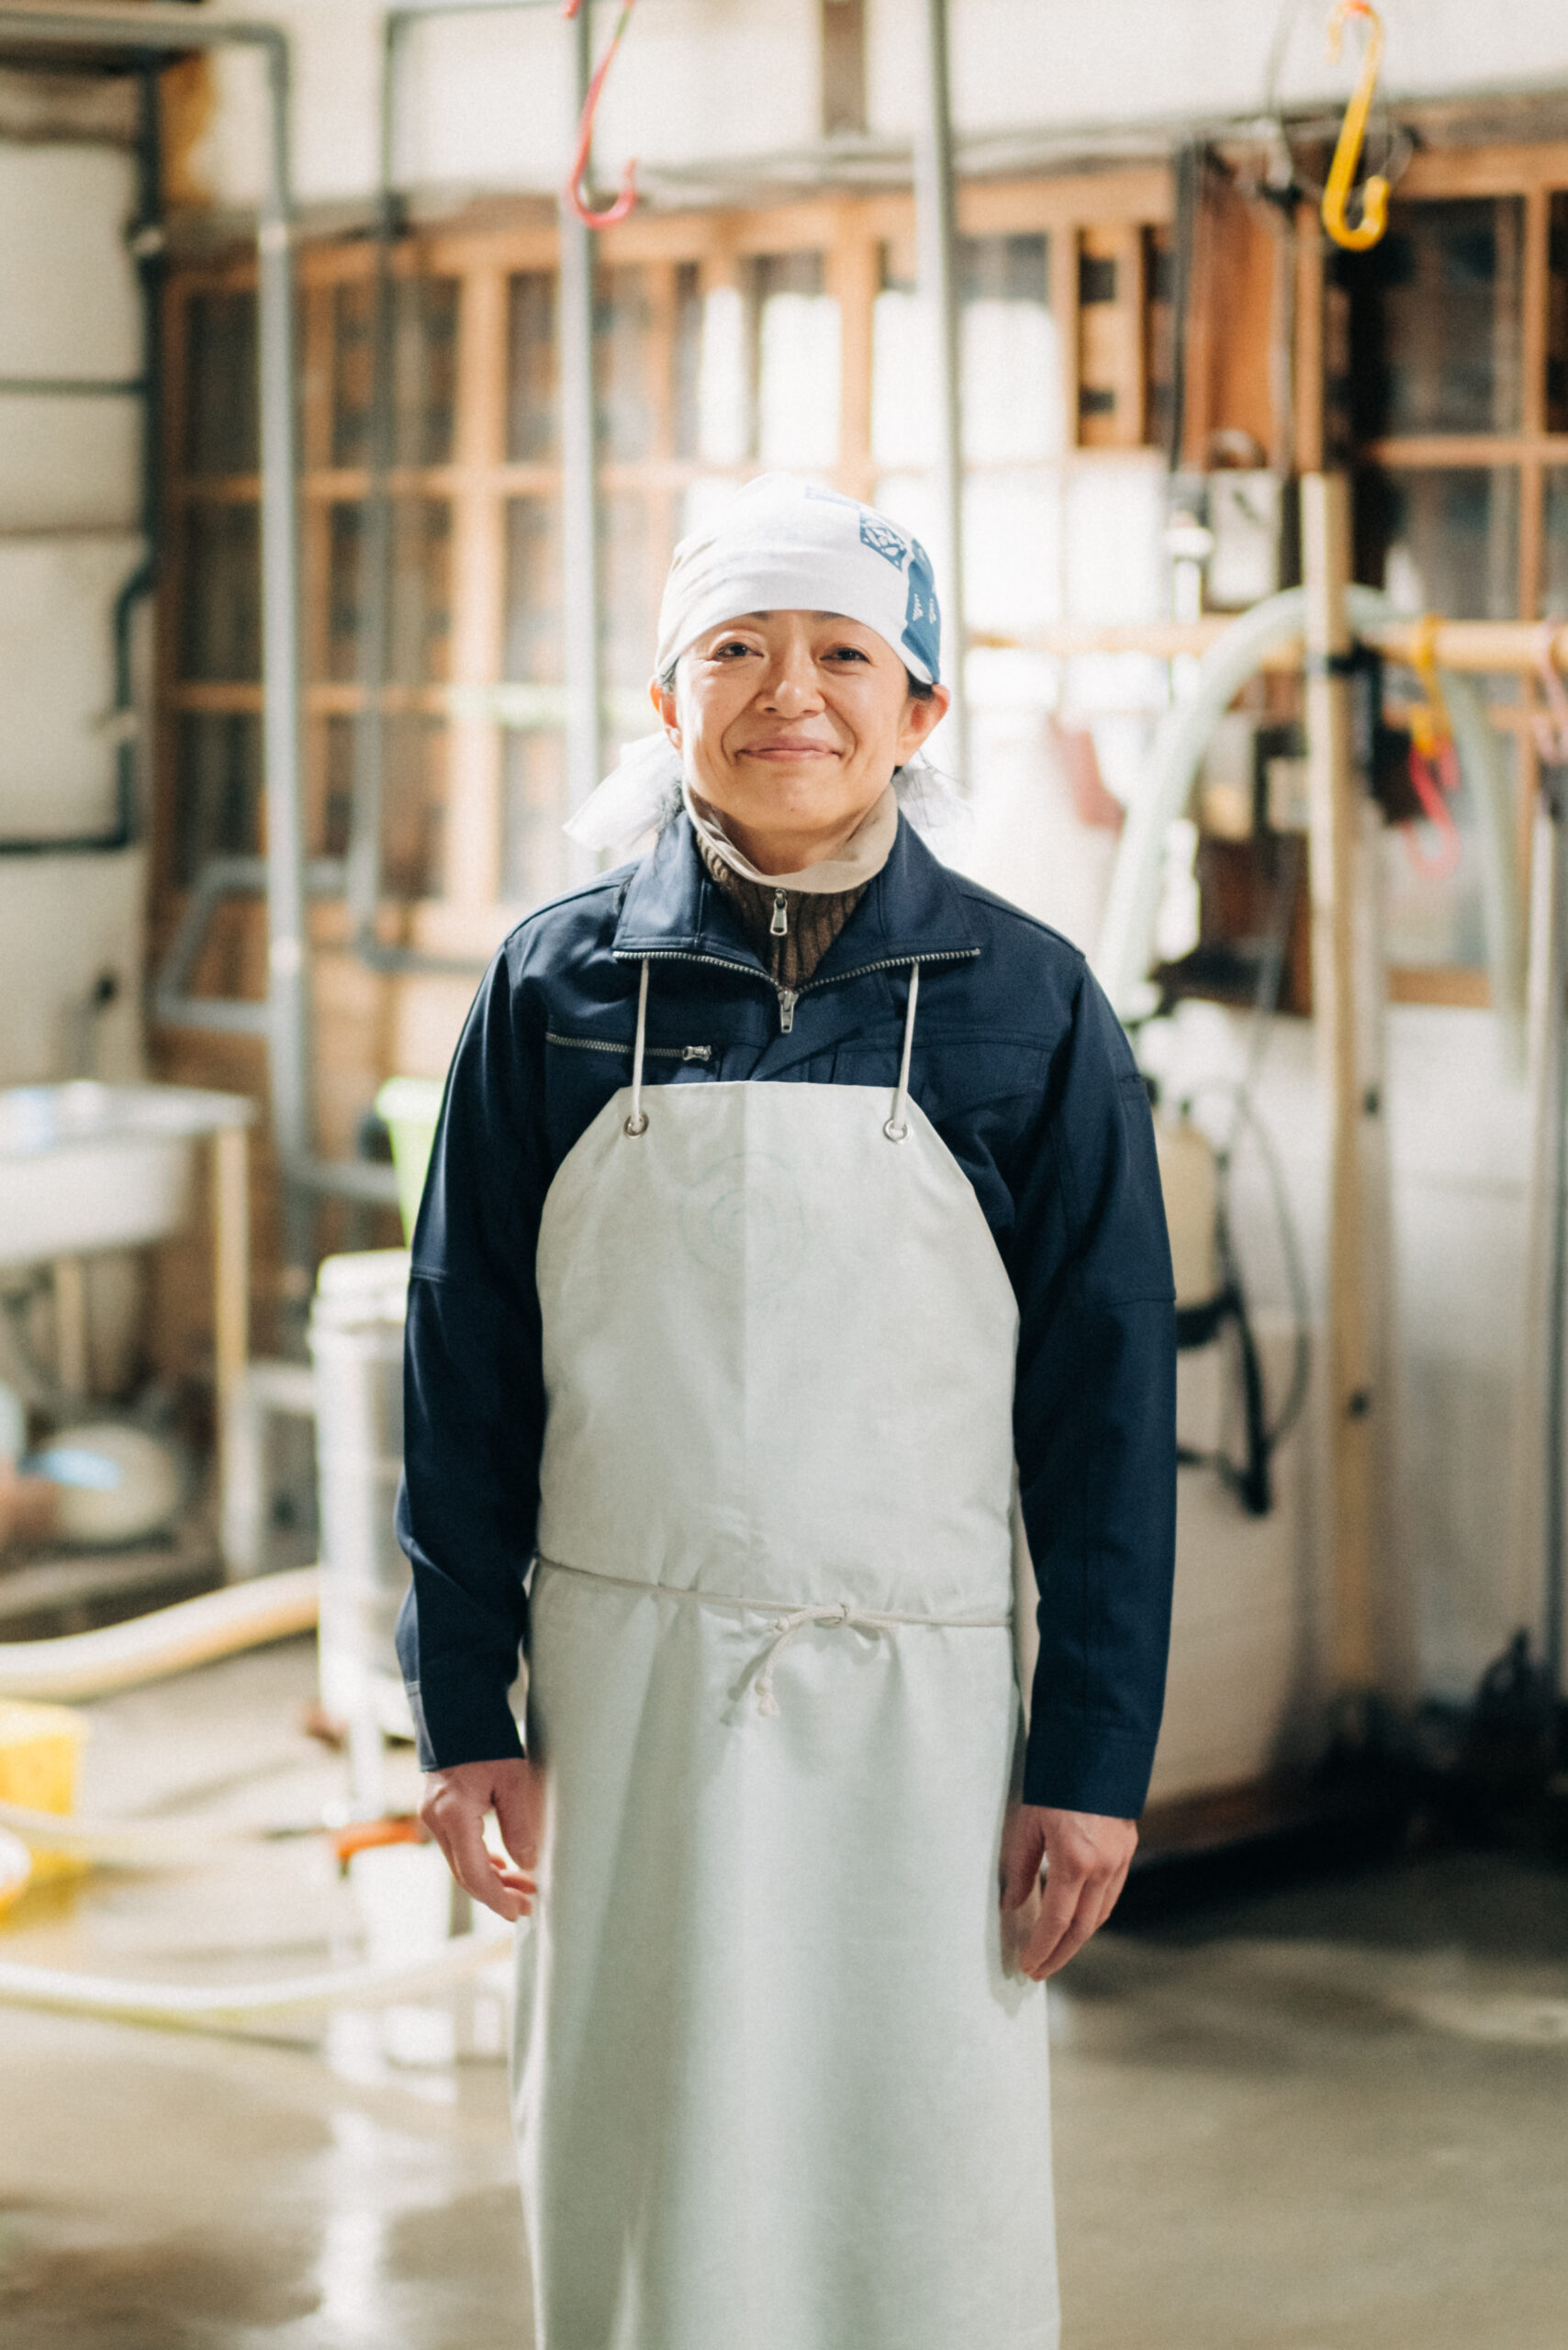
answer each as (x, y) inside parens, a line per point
(775, 2086)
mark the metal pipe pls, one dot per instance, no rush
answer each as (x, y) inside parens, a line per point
(171, 32)
(579, 480)
(288, 969)
(936, 242)
(364, 860)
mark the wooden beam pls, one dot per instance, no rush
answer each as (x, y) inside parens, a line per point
(478, 567)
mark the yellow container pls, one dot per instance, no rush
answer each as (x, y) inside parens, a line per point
(41, 1748)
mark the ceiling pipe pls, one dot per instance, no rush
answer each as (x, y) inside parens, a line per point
(936, 242)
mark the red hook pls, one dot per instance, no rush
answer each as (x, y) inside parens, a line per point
(573, 189)
(1432, 777)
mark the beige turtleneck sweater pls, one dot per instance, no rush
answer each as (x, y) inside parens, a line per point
(791, 919)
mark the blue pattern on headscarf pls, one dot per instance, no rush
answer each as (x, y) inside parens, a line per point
(922, 620)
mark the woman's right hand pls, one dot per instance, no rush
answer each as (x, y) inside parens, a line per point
(453, 1806)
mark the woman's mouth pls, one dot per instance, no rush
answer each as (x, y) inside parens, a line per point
(790, 748)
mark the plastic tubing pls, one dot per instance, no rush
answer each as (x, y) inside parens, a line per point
(172, 1639)
(203, 2007)
(1126, 935)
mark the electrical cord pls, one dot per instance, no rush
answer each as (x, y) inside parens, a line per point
(1247, 1118)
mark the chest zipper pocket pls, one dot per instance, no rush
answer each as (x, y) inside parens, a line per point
(650, 1052)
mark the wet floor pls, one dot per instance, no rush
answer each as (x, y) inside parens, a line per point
(1329, 2118)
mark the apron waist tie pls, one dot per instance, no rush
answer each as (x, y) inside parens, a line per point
(789, 1622)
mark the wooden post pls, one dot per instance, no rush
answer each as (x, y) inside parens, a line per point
(1334, 795)
(70, 1326)
(230, 1279)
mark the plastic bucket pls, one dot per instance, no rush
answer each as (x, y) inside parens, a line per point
(411, 1107)
(357, 1344)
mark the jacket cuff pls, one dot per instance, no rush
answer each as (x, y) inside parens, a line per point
(1075, 1762)
(457, 1723)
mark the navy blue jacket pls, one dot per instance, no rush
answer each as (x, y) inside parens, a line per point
(1022, 1068)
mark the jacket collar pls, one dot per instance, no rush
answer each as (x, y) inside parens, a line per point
(912, 910)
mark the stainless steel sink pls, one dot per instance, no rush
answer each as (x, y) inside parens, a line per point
(86, 1166)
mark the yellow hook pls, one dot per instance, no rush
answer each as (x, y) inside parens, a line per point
(1352, 133)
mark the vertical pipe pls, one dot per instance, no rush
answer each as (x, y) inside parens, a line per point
(363, 876)
(936, 238)
(579, 483)
(1334, 838)
(288, 978)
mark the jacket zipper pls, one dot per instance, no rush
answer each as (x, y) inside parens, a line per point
(650, 1052)
(790, 997)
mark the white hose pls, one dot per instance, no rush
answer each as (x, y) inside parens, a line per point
(1126, 935)
(206, 2006)
(172, 1639)
(177, 1843)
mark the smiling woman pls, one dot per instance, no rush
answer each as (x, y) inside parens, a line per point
(732, 1327)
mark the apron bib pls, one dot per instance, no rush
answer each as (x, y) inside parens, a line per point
(776, 2088)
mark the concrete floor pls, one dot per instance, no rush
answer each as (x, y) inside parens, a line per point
(1330, 2117)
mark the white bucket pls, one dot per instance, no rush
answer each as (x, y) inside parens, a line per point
(356, 1343)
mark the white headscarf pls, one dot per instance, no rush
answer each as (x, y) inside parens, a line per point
(779, 545)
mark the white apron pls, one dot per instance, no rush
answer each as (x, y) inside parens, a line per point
(776, 2087)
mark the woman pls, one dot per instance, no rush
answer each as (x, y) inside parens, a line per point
(789, 1187)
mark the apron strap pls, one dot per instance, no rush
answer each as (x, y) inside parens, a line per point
(637, 1124)
(897, 1126)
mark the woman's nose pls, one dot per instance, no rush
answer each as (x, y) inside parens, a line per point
(792, 687)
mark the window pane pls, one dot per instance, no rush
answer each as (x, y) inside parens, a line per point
(534, 847)
(631, 574)
(1443, 540)
(1555, 563)
(220, 384)
(687, 359)
(421, 591)
(1436, 319)
(413, 806)
(533, 790)
(531, 366)
(531, 637)
(217, 788)
(345, 537)
(797, 362)
(621, 324)
(419, 630)
(1557, 316)
(425, 331)
(1010, 357)
(220, 612)
(1115, 541)
(724, 380)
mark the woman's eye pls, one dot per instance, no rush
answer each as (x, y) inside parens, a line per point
(847, 653)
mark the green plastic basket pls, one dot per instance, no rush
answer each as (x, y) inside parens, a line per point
(411, 1106)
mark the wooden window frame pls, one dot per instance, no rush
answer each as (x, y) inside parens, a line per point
(1096, 212)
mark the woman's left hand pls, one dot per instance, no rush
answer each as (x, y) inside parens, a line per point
(1086, 1856)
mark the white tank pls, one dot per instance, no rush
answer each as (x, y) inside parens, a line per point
(1190, 1182)
(356, 1343)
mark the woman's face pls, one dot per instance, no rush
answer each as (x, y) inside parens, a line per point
(790, 726)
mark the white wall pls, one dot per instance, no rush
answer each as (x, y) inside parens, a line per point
(488, 102)
(1031, 63)
(69, 503)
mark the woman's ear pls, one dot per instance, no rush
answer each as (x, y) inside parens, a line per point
(663, 699)
(922, 713)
